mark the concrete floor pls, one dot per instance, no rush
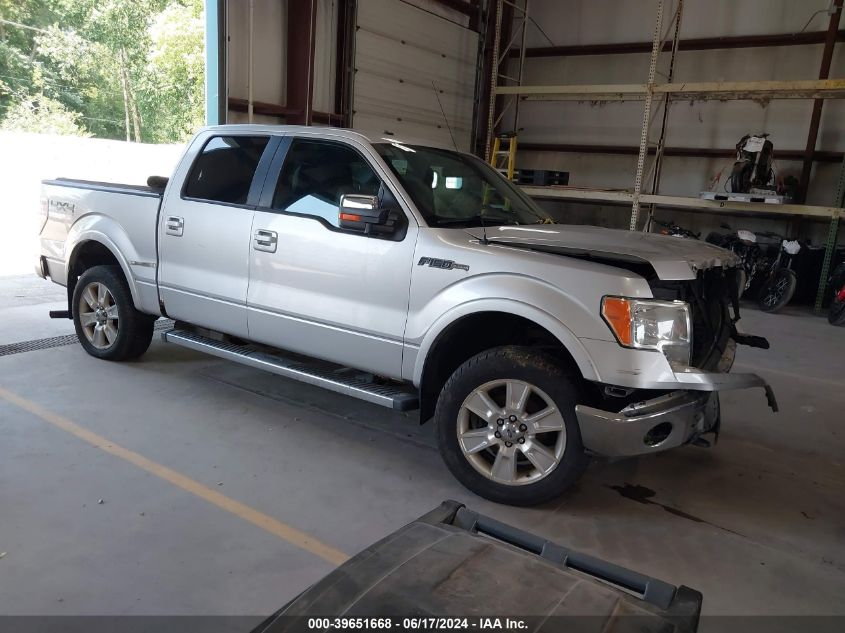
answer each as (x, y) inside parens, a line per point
(756, 523)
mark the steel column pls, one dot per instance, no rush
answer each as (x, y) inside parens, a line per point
(494, 78)
(652, 67)
(302, 19)
(818, 104)
(661, 142)
(344, 60)
(215, 62)
(830, 245)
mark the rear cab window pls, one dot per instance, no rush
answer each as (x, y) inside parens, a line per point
(224, 170)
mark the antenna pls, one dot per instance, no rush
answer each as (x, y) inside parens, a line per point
(449, 127)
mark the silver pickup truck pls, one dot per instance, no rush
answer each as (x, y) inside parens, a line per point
(409, 276)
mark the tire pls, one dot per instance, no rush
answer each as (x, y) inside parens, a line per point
(741, 176)
(741, 280)
(778, 290)
(557, 448)
(107, 324)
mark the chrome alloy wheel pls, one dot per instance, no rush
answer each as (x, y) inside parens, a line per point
(511, 432)
(98, 315)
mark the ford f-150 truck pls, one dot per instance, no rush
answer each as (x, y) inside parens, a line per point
(410, 276)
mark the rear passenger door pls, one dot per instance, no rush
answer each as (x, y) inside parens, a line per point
(204, 232)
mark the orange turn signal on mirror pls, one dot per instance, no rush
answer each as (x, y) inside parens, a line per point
(617, 312)
(350, 217)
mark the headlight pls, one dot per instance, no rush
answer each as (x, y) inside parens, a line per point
(650, 324)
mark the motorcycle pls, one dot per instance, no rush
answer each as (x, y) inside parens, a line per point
(780, 282)
(744, 244)
(768, 265)
(836, 311)
(753, 166)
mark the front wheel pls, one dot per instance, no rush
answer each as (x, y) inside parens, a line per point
(506, 426)
(778, 290)
(107, 324)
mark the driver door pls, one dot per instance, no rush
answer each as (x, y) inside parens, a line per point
(316, 288)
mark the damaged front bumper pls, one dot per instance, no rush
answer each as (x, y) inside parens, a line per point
(670, 420)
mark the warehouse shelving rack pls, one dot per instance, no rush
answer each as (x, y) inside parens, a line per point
(667, 92)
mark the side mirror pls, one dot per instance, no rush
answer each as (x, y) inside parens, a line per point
(364, 214)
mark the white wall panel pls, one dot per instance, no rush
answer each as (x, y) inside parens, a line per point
(269, 42)
(399, 51)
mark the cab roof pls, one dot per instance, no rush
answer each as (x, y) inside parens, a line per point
(319, 131)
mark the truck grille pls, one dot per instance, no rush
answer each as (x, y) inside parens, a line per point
(709, 298)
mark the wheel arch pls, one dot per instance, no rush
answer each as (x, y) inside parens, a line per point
(457, 337)
(96, 250)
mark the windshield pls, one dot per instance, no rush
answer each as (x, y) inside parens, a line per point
(458, 190)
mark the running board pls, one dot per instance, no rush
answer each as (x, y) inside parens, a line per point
(313, 372)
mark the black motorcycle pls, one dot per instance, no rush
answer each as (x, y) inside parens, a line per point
(780, 281)
(744, 245)
(766, 263)
(753, 166)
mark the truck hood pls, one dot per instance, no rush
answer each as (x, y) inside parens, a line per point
(672, 258)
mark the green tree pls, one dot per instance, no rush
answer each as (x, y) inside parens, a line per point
(122, 28)
(172, 94)
(124, 68)
(45, 116)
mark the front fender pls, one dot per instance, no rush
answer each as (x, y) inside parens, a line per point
(509, 306)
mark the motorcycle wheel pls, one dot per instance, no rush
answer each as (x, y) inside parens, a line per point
(778, 290)
(742, 281)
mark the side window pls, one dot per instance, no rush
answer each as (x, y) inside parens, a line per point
(317, 173)
(224, 169)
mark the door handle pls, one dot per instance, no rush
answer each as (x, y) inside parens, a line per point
(265, 241)
(174, 226)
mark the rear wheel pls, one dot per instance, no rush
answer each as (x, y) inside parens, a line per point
(107, 324)
(506, 426)
(778, 290)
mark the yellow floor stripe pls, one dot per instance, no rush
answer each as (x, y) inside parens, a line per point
(245, 512)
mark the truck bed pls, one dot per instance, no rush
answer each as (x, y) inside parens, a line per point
(121, 217)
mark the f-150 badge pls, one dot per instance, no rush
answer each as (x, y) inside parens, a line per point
(443, 264)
